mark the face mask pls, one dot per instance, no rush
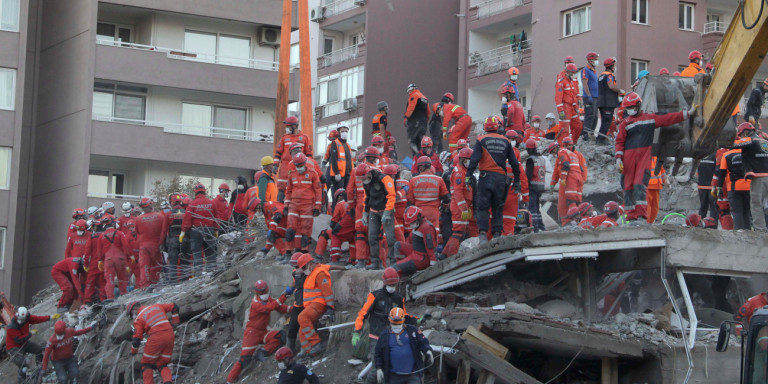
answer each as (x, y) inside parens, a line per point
(376, 161)
(281, 365)
(551, 123)
(127, 214)
(397, 328)
(594, 63)
(513, 77)
(536, 125)
(264, 297)
(301, 169)
(288, 131)
(80, 233)
(343, 135)
(414, 226)
(307, 271)
(514, 143)
(632, 112)
(381, 149)
(391, 288)
(240, 187)
(59, 337)
(427, 151)
(466, 163)
(366, 181)
(573, 77)
(621, 98)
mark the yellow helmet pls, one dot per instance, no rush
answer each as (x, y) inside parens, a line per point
(267, 160)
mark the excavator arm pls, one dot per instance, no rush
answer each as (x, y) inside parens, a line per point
(736, 62)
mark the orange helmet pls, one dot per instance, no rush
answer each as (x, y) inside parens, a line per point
(632, 99)
(361, 169)
(585, 208)
(569, 60)
(449, 97)
(291, 120)
(694, 55)
(295, 259)
(304, 260)
(514, 71)
(397, 316)
(465, 153)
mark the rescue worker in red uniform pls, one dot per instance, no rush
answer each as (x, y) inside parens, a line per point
(401, 198)
(66, 273)
(318, 301)
(17, 343)
(564, 72)
(342, 228)
(378, 143)
(78, 241)
(151, 230)
(462, 122)
(60, 351)
(126, 208)
(94, 281)
(428, 191)
(302, 203)
(514, 196)
(633, 151)
(426, 151)
(568, 144)
(356, 196)
(77, 214)
(200, 220)
(178, 253)
(380, 129)
(415, 117)
(292, 136)
(655, 185)
(535, 172)
(277, 223)
(567, 172)
(340, 159)
(221, 205)
(462, 192)
(256, 333)
(113, 248)
(535, 131)
(514, 119)
(567, 101)
(420, 253)
(153, 321)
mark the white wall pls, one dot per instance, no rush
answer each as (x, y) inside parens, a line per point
(482, 103)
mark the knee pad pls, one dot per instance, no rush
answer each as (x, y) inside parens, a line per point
(147, 366)
(407, 268)
(290, 234)
(245, 360)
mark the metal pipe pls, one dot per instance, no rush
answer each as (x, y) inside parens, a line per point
(365, 370)
(692, 319)
(677, 310)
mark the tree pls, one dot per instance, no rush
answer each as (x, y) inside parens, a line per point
(162, 188)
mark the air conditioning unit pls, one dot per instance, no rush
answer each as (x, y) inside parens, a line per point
(317, 14)
(318, 113)
(360, 2)
(269, 36)
(350, 104)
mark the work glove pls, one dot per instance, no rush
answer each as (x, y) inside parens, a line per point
(134, 351)
(620, 165)
(355, 338)
(315, 212)
(692, 111)
(216, 234)
(552, 188)
(337, 178)
(466, 215)
(128, 270)
(331, 313)
(288, 290)
(55, 316)
(752, 120)
(101, 266)
(516, 186)
(430, 358)
(133, 259)
(365, 218)
(379, 376)
(387, 217)
(718, 191)
(561, 115)
(181, 237)
(85, 269)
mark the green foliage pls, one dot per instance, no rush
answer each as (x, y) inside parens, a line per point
(162, 188)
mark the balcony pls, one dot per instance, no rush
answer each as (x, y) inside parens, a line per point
(715, 27)
(499, 59)
(340, 6)
(486, 8)
(221, 133)
(342, 55)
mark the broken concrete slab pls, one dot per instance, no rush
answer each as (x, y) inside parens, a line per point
(503, 371)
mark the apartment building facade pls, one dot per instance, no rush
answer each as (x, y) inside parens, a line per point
(124, 93)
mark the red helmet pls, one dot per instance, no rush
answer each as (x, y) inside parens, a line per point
(693, 220)
(663, 71)
(424, 161)
(411, 214)
(571, 68)
(553, 147)
(745, 126)
(426, 141)
(449, 96)
(341, 192)
(107, 220)
(198, 188)
(676, 74)
(530, 144)
(631, 99)
(567, 142)
(333, 135)
(224, 186)
(611, 207)
(372, 152)
(694, 55)
(508, 89)
(609, 62)
(536, 118)
(186, 201)
(283, 353)
(462, 143)
(584, 208)
(81, 224)
(291, 120)
(60, 327)
(492, 123)
(300, 159)
(391, 169)
(145, 202)
(131, 306)
(592, 56)
(513, 71)
(569, 60)
(253, 203)
(573, 212)
(512, 134)
(377, 140)
(710, 222)
(295, 259)
(260, 287)
(304, 260)
(390, 277)
(295, 146)
(78, 212)
(465, 153)
(710, 67)
(361, 169)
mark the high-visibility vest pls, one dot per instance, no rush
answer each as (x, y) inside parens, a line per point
(341, 162)
(312, 289)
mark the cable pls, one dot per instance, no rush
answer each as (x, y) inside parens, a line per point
(567, 366)
(743, 14)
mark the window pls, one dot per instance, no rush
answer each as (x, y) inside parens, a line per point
(7, 88)
(211, 183)
(234, 50)
(327, 45)
(335, 88)
(5, 167)
(109, 31)
(9, 15)
(199, 118)
(2, 247)
(117, 102)
(577, 21)
(295, 58)
(356, 39)
(222, 49)
(637, 66)
(103, 182)
(711, 18)
(354, 140)
(640, 11)
(685, 18)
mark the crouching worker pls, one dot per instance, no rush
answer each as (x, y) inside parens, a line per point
(153, 320)
(421, 252)
(60, 352)
(292, 372)
(400, 352)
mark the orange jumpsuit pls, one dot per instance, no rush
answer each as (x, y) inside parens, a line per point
(426, 191)
(567, 100)
(277, 228)
(153, 320)
(302, 196)
(318, 296)
(515, 116)
(461, 127)
(583, 166)
(283, 155)
(401, 203)
(356, 198)
(568, 172)
(533, 133)
(342, 230)
(461, 201)
(655, 185)
(512, 204)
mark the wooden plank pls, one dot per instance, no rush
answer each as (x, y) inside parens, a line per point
(464, 373)
(502, 369)
(474, 335)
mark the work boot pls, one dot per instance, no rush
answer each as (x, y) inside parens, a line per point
(317, 349)
(496, 235)
(375, 264)
(360, 264)
(261, 355)
(482, 237)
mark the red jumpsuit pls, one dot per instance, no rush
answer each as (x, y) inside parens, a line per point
(342, 230)
(58, 350)
(744, 314)
(436, 166)
(283, 155)
(633, 146)
(655, 185)
(461, 126)
(426, 192)
(65, 274)
(277, 227)
(302, 195)
(534, 133)
(356, 199)
(256, 333)
(94, 281)
(568, 173)
(515, 116)
(77, 246)
(151, 229)
(401, 203)
(153, 320)
(461, 201)
(113, 248)
(567, 100)
(222, 208)
(420, 252)
(584, 173)
(318, 297)
(512, 204)
(121, 224)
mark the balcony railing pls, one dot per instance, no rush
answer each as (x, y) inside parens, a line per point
(500, 58)
(195, 130)
(340, 56)
(715, 27)
(493, 7)
(114, 196)
(341, 6)
(178, 54)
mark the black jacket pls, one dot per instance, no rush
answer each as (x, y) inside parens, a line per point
(296, 374)
(706, 171)
(419, 345)
(754, 104)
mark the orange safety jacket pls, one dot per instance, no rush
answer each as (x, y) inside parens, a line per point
(317, 287)
(657, 181)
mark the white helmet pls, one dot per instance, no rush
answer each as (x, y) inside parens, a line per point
(550, 116)
(127, 206)
(342, 124)
(107, 205)
(22, 314)
(411, 87)
(92, 211)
